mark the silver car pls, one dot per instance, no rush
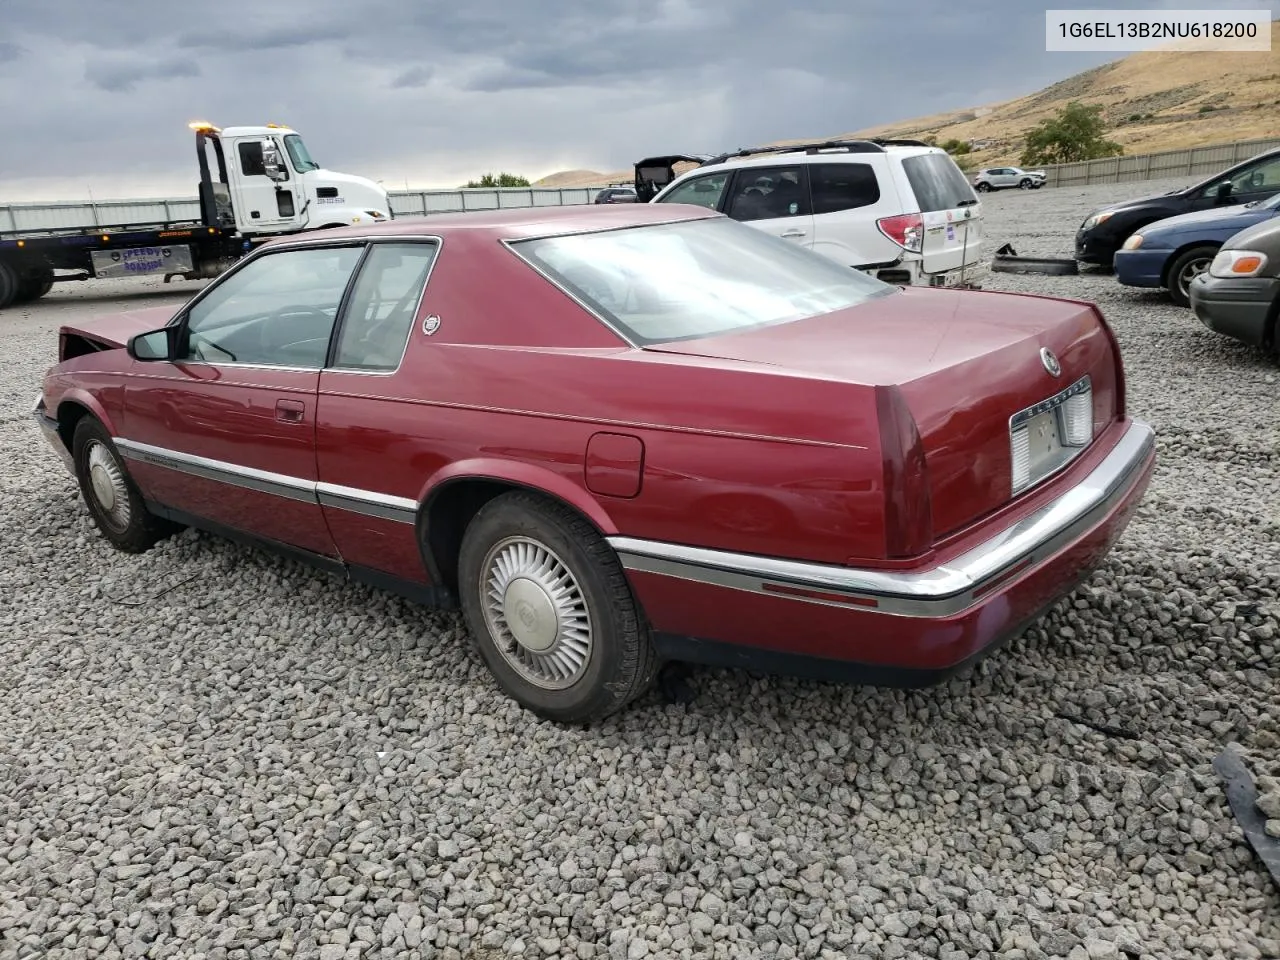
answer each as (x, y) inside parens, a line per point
(1000, 178)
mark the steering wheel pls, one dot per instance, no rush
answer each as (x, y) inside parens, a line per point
(269, 324)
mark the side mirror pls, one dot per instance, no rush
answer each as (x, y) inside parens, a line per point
(1224, 190)
(159, 344)
(273, 164)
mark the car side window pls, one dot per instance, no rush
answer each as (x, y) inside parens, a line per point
(251, 159)
(769, 193)
(277, 310)
(843, 186)
(1263, 177)
(384, 302)
(703, 191)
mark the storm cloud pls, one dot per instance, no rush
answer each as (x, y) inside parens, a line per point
(96, 96)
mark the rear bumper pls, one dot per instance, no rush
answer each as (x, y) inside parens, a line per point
(1236, 307)
(911, 272)
(911, 627)
(49, 427)
(973, 275)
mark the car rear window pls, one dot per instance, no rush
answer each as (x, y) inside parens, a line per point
(937, 182)
(659, 283)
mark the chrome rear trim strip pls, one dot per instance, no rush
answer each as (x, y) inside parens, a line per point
(940, 591)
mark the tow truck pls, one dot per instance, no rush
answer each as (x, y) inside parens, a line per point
(256, 183)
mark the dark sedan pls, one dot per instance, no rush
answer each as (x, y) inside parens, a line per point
(1239, 295)
(616, 195)
(1105, 231)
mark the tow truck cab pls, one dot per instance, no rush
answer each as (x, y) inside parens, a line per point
(262, 181)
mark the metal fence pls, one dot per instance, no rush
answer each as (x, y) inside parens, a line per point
(34, 217)
(52, 217)
(1193, 162)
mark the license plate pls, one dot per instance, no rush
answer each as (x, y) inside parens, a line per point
(141, 261)
(1043, 442)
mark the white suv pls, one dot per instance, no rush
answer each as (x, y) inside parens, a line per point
(999, 178)
(900, 210)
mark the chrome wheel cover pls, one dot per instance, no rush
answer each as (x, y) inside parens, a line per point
(536, 613)
(107, 485)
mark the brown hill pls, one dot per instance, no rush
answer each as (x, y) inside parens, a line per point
(1152, 101)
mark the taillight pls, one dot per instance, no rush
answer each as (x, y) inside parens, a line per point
(908, 509)
(906, 230)
(1119, 391)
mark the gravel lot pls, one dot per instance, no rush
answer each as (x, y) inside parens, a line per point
(209, 752)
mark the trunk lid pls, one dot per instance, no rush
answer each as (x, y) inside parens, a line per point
(965, 363)
(949, 208)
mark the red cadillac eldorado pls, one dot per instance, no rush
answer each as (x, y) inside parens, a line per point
(621, 435)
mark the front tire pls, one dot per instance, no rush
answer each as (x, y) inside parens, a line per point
(1026, 183)
(1185, 269)
(112, 497)
(551, 612)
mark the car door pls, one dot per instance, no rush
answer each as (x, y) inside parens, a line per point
(260, 202)
(368, 485)
(706, 190)
(1259, 181)
(773, 199)
(1004, 177)
(225, 432)
(848, 200)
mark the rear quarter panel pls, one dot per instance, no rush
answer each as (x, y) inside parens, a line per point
(518, 378)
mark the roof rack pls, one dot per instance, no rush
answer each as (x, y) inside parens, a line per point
(871, 145)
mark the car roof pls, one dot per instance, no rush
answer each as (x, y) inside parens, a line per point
(821, 156)
(519, 223)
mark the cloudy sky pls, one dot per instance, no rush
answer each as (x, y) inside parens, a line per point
(95, 95)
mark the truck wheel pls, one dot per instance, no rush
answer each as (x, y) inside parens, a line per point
(8, 285)
(34, 287)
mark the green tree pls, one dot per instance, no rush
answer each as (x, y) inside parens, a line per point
(1076, 133)
(957, 148)
(501, 180)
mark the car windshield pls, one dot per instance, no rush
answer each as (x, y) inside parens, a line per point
(298, 153)
(679, 281)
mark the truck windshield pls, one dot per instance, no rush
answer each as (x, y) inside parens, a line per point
(302, 161)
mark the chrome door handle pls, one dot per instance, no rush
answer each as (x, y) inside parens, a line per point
(793, 233)
(290, 411)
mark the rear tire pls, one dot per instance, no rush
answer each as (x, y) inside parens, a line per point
(8, 285)
(984, 188)
(551, 612)
(112, 497)
(34, 286)
(1185, 269)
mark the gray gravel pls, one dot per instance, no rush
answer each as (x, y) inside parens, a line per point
(209, 752)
